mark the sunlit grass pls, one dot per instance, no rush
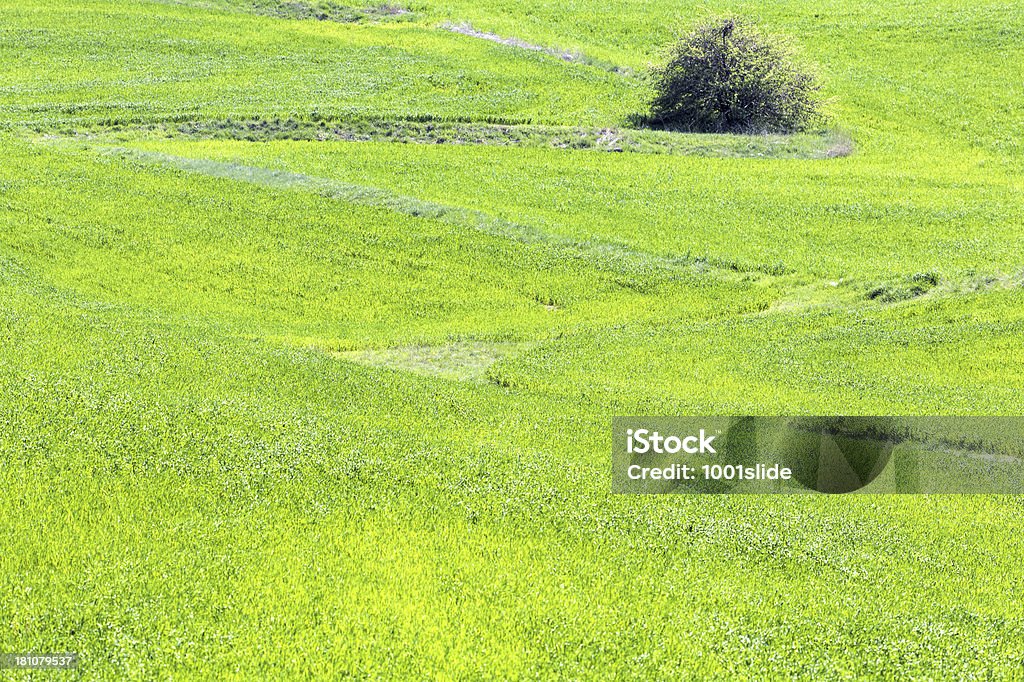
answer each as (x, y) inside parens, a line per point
(342, 409)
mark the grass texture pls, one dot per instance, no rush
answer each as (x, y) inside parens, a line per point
(312, 329)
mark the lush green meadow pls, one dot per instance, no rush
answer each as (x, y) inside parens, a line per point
(340, 405)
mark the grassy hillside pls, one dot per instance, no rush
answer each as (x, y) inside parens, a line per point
(139, 61)
(855, 219)
(340, 405)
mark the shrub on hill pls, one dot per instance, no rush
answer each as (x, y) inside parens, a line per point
(726, 76)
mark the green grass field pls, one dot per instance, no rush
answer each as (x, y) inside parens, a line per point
(312, 331)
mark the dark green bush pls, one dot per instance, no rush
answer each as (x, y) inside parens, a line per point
(725, 76)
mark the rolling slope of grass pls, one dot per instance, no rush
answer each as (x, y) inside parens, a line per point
(895, 73)
(844, 218)
(338, 409)
(294, 263)
(86, 61)
(892, 360)
(182, 502)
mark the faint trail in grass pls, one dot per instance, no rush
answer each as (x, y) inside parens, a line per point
(636, 268)
(466, 29)
(608, 139)
(462, 361)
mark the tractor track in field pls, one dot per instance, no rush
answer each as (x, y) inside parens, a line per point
(827, 145)
(467, 29)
